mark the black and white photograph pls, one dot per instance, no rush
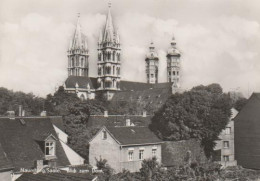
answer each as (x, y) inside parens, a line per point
(129, 90)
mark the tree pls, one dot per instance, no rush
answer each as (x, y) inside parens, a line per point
(239, 104)
(201, 113)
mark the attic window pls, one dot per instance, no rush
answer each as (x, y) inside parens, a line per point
(50, 148)
(104, 135)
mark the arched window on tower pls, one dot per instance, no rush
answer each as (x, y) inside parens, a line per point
(99, 57)
(118, 71)
(82, 62)
(114, 55)
(118, 57)
(72, 62)
(99, 71)
(114, 70)
(109, 56)
(114, 83)
(101, 84)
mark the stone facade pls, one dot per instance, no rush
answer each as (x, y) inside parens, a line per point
(226, 144)
(152, 65)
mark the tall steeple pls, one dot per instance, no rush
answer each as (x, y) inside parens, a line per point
(152, 64)
(174, 65)
(78, 64)
(109, 58)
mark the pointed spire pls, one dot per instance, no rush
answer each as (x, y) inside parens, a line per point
(151, 46)
(79, 39)
(109, 28)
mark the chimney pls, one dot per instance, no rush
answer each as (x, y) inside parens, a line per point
(23, 113)
(20, 110)
(43, 114)
(39, 165)
(127, 122)
(144, 114)
(106, 114)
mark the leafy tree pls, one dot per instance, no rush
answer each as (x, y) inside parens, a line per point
(10, 100)
(105, 167)
(201, 113)
(240, 103)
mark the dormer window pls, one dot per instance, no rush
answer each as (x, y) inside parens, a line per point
(50, 148)
(104, 135)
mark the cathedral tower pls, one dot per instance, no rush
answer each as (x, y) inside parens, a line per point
(174, 65)
(78, 64)
(152, 63)
(109, 58)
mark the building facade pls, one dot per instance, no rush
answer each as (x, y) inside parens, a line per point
(174, 66)
(152, 65)
(247, 134)
(108, 81)
(225, 147)
(78, 64)
(126, 147)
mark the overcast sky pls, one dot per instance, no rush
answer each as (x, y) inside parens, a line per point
(219, 40)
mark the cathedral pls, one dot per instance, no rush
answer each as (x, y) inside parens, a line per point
(108, 82)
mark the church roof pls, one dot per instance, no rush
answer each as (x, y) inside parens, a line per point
(109, 33)
(22, 140)
(82, 82)
(79, 40)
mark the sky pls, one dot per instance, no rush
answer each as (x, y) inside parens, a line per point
(219, 40)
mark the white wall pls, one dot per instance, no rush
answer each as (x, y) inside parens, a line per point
(74, 158)
(62, 136)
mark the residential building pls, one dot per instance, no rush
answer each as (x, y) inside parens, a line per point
(6, 166)
(247, 134)
(126, 147)
(108, 81)
(225, 147)
(57, 177)
(32, 143)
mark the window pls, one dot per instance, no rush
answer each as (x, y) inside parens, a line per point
(141, 154)
(50, 148)
(226, 144)
(154, 152)
(130, 155)
(173, 72)
(226, 158)
(104, 135)
(228, 130)
(170, 73)
(151, 75)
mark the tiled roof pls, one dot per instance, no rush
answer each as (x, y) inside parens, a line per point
(118, 120)
(82, 82)
(133, 135)
(134, 86)
(5, 163)
(22, 141)
(56, 177)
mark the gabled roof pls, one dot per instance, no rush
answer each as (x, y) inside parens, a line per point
(250, 111)
(23, 141)
(82, 82)
(5, 163)
(133, 135)
(56, 177)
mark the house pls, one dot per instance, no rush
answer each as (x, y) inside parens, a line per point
(247, 134)
(31, 144)
(225, 147)
(6, 166)
(124, 147)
